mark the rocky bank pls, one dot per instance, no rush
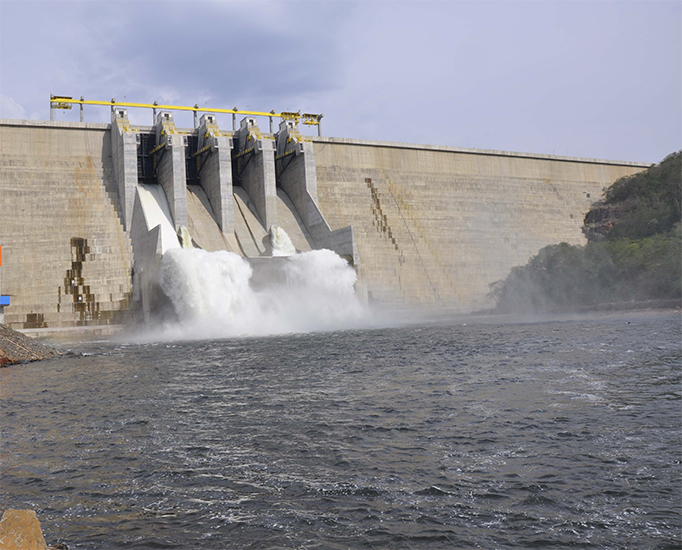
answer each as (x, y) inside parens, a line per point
(17, 348)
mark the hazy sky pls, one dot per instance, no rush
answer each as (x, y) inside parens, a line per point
(582, 78)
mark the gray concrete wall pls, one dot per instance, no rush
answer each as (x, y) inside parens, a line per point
(296, 175)
(433, 225)
(436, 225)
(66, 258)
(124, 162)
(295, 163)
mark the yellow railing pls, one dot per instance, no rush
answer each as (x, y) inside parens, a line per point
(65, 102)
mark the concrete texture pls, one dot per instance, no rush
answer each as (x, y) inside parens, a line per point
(435, 225)
(253, 163)
(289, 220)
(124, 162)
(432, 226)
(295, 163)
(252, 236)
(296, 176)
(171, 166)
(216, 171)
(203, 229)
(66, 257)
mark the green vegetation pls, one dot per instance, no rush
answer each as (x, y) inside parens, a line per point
(634, 251)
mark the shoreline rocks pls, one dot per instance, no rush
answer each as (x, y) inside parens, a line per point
(20, 530)
(18, 348)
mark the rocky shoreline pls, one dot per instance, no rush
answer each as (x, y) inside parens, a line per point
(18, 348)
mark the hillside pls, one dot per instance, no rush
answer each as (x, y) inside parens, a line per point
(639, 206)
(634, 251)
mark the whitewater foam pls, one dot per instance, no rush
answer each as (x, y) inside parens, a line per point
(212, 295)
(280, 242)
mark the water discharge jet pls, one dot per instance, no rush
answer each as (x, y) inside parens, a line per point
(280, 242)
(217, 295)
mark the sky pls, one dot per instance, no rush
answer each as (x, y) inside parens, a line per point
(596, 79)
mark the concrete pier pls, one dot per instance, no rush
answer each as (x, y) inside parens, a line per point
(124, 143)
(297, 177)
(170, 164)
(215, 162)
(253, 165)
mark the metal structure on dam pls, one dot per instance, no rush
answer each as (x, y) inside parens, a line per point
(87, 209)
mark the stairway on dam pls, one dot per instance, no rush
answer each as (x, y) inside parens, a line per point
(67, 258)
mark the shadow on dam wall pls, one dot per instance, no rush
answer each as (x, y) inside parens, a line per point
(423, 225)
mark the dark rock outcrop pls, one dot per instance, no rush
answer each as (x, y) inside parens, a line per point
(600, 220)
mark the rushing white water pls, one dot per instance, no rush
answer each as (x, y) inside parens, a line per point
(280, 242)
(213, 296)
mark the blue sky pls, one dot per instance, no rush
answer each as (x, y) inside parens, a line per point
(593, 79)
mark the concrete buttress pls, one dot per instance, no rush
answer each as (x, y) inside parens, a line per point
(215, 174)
(170, 159)
(296, 175)
(124, 160)
(254, 169)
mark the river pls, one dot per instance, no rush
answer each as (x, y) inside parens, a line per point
(461, 433)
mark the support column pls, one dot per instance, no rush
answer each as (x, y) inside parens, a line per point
(124, 160)
(170, 166)
(215, 171)
(295, 162)
(296, 175)
(253, 165)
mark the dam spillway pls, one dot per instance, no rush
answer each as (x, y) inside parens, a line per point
(431, 226)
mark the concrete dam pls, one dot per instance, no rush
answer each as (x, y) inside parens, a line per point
(87, 210)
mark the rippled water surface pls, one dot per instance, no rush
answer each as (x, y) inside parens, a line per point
(551, 434)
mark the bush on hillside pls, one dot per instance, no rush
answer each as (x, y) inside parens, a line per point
(641, 205)
(636, 254)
